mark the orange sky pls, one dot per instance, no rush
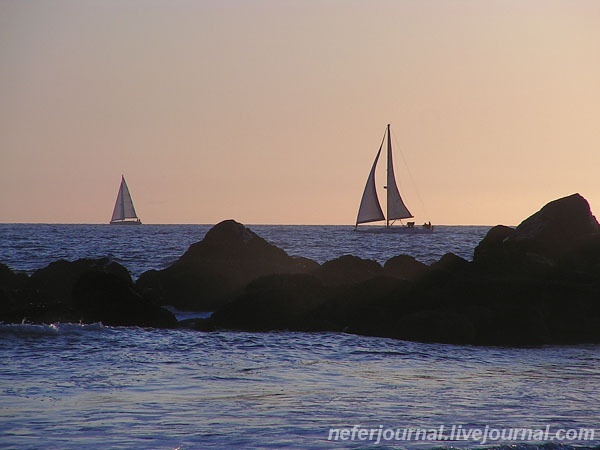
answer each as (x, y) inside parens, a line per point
(272, 111)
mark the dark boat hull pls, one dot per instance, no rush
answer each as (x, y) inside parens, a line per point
(126, 222)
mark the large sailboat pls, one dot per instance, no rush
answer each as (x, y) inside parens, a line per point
(124, 212)
(370, 209)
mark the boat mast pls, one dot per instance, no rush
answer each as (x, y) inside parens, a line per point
(389, 155)
(122, 198)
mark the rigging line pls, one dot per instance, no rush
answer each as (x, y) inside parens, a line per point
(412, 180)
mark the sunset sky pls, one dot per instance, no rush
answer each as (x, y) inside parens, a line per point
(272, 111)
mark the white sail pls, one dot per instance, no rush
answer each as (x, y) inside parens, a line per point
(370, 209)
(396, 209)
(124, 205)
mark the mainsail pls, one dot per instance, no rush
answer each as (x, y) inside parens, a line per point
(124, 209)
(396, 209)
(370, 208)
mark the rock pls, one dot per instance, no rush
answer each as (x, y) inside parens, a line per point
(366, 308)
(541, 242)
(10, 279)
(435, 326)
(348, 269)
(490, 251)
(58, 278)
(451, 263)
(554, 228)
(274, 302)
(582, 261)
(89, 290)
(218, 268)
(404, 267)
(107, 298)
(516, 326)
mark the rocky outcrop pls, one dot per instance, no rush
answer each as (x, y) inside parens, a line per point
(86, 290)
(58, 278)
(107, 298)
(536, 284)
(559, 230)
(404, 267)
(274, 302)
(533, 285)
(347, 269)
(218, 268)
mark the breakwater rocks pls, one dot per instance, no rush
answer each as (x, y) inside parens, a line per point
(536, 284)
(86, 290)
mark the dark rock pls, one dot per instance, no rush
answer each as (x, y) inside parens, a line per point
(541, 242)
(348, 269)
(490, 251)
(107, 298)
(57, 279)
(554, 228)
(274, 302)
(218, 268)
(581, 261)
(404, 267)
(450, 262)
(10, 279)
(516, 326)
(436, 326)
(366, 308)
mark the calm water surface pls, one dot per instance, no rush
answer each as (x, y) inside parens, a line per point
(71, 386)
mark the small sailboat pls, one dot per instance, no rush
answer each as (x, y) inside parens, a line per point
(370, 208)
(124, 212)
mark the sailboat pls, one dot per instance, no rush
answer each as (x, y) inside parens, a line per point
(370, 208)
(124, 212)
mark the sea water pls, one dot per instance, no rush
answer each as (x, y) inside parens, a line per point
(68, 386)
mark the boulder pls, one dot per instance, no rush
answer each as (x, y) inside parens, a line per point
(435, 326)
(58, 278)
(368, 307)
(449, 262)
(404, 267)
(107, 298)
(348, 269)
(218, 268)
(559, 234)
(554, 229)
(10, 279)
(490, 252)
(274, 302)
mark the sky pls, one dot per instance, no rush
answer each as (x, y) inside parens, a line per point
(272, 111)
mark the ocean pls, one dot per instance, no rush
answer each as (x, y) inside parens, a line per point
(66, 386)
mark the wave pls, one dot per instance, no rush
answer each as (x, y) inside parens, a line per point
(53, 329)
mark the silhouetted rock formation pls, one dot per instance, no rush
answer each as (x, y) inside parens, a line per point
(558, 230)
(347, 269)
(107, 298)
(404, 267)
(273, 302)
(218, 268)
(86, 290)
(536, 284)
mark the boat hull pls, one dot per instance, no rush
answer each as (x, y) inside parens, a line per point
(394, 230)
(126, 222)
